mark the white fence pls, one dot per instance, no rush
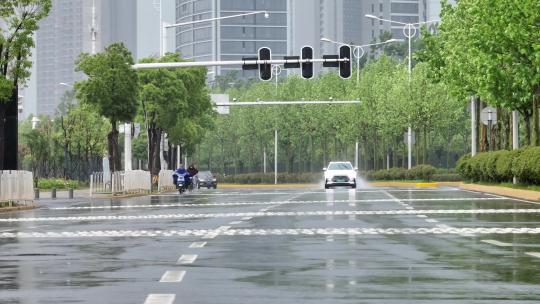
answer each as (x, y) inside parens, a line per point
(133, 181)
(165, 181)
(16, 186)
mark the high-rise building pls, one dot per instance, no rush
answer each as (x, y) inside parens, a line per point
(77, 26)
(233, 38)
(292, 25)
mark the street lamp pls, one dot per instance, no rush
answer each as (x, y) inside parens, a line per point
(359, 52)
(409, 31)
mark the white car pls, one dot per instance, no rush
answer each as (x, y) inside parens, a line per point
(340, 174)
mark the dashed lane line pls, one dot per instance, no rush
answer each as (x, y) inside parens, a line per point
(197, 245)
(172, 277)
(432, 221)
(275, 232)
(533, 254)
(186, 259)
(408, 211)
(497, 243)
(235, 222)
(247, 218)
(204, 205)
(214, 233)
(156, 298)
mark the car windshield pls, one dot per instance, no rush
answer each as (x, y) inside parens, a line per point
(205, 174)
(340, 166)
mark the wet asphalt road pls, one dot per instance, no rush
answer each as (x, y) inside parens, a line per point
(378, 245)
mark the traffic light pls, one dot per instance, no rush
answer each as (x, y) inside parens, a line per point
(265, 69)
(345, 67)
(307, 67)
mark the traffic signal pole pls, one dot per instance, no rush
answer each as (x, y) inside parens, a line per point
(190, 64)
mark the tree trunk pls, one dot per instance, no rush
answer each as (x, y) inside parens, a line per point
(113, 149)
(478, 124)
(10, 143)
(2, 134)
(154, 139)
(535, 125)
(527, 119)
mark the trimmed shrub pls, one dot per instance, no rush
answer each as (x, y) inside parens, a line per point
(501, 166)
(526, 166)
(421, 172)
(58, 184)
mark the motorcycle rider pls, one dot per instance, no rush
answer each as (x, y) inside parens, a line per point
(181, 172)
(192, 173)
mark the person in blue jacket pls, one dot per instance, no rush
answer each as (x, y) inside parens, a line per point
(181, 172)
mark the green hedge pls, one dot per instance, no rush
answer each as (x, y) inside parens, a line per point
(421, 172)
(58, 183)
(502, 166)
(268, 178)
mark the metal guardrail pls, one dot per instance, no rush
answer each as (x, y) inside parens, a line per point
(120, 182)
(16, 186)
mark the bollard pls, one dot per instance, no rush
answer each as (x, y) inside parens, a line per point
(36, 193)
(53, 193)
(70, 193)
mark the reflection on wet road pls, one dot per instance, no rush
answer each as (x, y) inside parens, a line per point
(377, 245)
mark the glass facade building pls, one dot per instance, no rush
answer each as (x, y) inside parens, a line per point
(234, 38)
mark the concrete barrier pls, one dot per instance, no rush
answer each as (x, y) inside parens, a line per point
(165, 182)
(16, 186)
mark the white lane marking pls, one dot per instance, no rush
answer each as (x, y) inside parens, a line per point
(533, 254)
(210, 236)
(156, 298)
(497, 243)
(187, 259)
(309, 192)
(421, 215)
(235, 222)
(500, 196)
(197, 245)
(263, 232)
(215, 233)
(431, 221)
(283, 202)
(408, 211)
(247, 218)
(172, 277)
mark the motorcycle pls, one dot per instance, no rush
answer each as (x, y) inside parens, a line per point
(184, 184)
(181, 184)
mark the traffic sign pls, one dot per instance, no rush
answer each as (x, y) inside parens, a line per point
(488, 115)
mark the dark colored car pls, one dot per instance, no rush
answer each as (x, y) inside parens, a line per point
(206, 179)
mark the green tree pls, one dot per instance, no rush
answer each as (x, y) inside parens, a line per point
(111, 89)
(175, 102)
(489, 49)
(19, 20)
